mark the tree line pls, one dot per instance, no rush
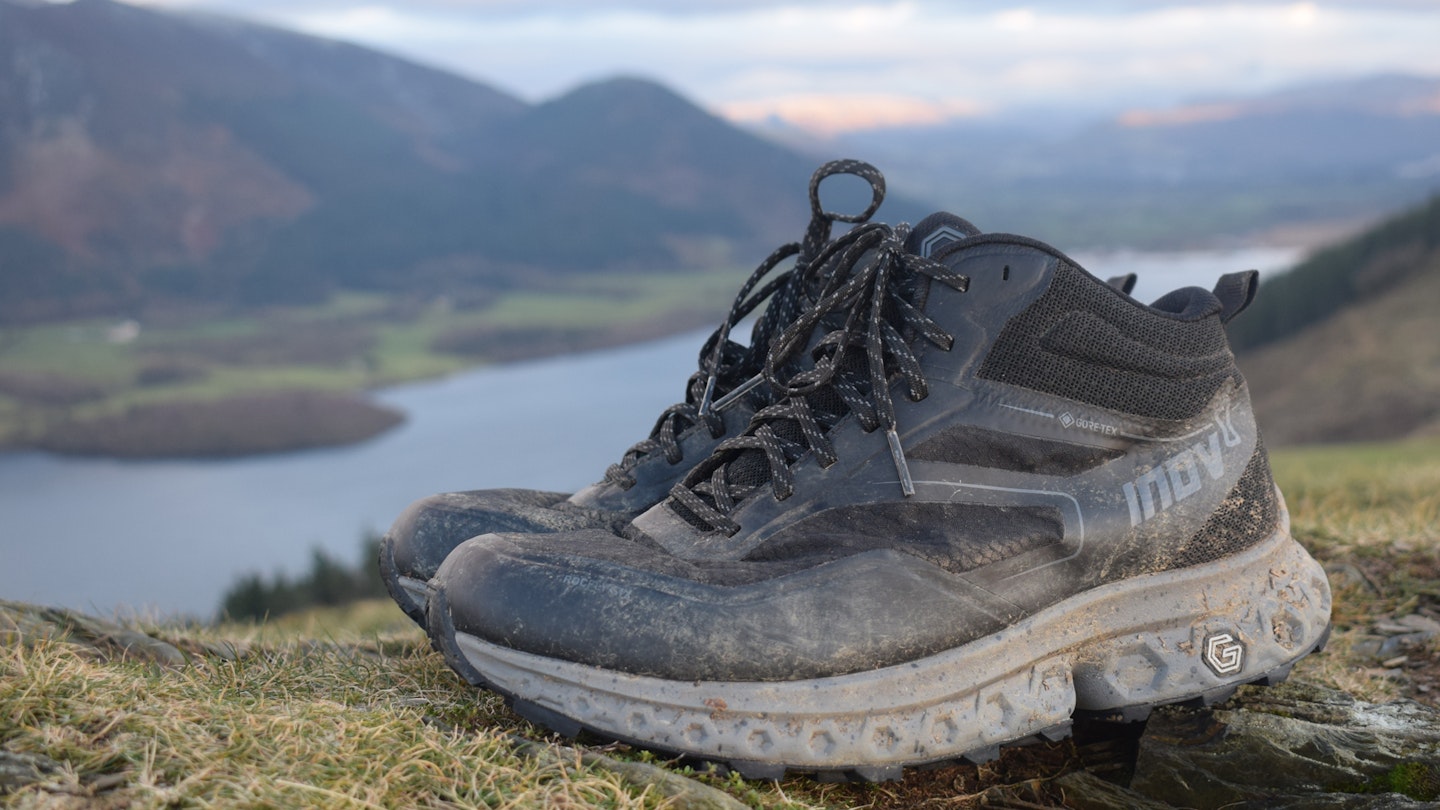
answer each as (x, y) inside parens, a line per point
(328, 582)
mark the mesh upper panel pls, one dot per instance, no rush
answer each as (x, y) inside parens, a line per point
(980, 447)
(1084, 341)
(1247, 516)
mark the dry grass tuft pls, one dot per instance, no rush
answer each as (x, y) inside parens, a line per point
(291, 722)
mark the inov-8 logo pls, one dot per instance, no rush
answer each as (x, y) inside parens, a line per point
(1179, 476)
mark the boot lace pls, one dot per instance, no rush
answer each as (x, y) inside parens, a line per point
(729, 368)
(871, 284)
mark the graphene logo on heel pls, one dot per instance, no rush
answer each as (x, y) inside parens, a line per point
(1224, 654)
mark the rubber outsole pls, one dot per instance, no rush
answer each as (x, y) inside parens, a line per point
(1115, 652)
(412, 595)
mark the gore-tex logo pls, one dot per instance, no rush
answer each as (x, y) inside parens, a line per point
(1069, 420)
(1180, 476)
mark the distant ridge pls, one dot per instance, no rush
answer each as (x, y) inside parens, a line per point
(150, 157)
(1196, 174)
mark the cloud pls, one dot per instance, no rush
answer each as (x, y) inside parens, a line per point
(886, 60)
(833, 114)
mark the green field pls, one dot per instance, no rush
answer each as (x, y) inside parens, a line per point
(56, 374)
(351, 708)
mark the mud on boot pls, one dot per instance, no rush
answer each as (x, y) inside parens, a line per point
(991, 491)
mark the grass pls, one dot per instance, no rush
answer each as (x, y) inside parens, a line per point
(1371, 514)
(287, 725)
(55, 373)
(349, 707)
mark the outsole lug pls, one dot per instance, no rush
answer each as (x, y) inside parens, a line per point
(1056, 733)
(980, 756)
(1210, 698)
(880, 773)
(758, 770)
(1119, 714)
(541, 716)
(1274, 676)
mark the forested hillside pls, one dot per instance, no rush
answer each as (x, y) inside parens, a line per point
(1346, 346)
(1336, 277)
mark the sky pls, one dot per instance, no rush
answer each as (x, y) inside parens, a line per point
(837, 66)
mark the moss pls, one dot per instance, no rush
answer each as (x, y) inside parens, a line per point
(1415, 780)
(1418, 780)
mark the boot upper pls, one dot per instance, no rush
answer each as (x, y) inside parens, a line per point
(1038, 433)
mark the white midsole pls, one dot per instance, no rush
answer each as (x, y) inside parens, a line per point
(1140, 641)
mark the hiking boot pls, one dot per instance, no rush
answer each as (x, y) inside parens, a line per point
(999, 492)
(719, 400)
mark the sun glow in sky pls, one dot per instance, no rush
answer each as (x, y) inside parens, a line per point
(838, 66)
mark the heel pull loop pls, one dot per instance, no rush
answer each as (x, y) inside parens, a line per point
(1236, 291)
(1125, 283)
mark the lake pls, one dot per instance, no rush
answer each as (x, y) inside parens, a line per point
(168, 537)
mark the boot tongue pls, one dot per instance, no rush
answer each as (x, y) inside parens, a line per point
(938, 231)
(749, 468)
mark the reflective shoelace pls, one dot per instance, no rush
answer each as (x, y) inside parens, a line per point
(871, 283)
(724, 365)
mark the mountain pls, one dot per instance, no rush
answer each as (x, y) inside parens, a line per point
(1345, 347)
(150, 157)
(1337, 151)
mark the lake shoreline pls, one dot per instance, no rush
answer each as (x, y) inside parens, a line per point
(330, 355)
(255, 424)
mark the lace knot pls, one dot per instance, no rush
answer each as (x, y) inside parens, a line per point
(870, 324)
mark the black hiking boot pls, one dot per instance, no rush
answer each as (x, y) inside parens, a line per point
(719, 400)
(992, 492)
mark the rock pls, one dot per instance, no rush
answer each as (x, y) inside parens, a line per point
(18, 769)
(30, 624)
(1418, 623)
(1291, 747)
(1085, 791)
(1394, 637)
(1392, 628)
(1351, 574)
